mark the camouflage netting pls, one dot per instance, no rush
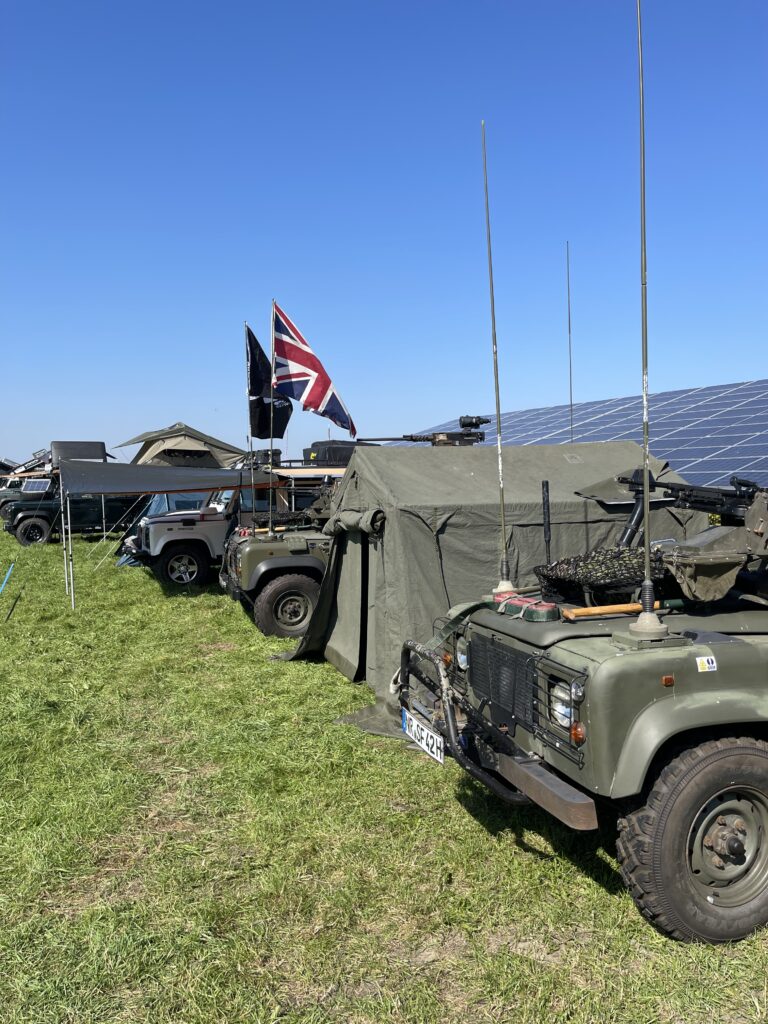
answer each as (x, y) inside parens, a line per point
(261, 518)
(605, 569)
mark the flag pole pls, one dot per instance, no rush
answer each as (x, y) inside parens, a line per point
(250, 438)
(271, 420)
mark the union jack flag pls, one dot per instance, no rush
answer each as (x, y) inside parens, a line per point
(300, 375)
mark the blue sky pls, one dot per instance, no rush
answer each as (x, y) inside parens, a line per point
(169, 167)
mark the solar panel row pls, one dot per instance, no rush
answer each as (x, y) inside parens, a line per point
(706, 434)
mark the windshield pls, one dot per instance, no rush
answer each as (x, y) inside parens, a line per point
(162, 503)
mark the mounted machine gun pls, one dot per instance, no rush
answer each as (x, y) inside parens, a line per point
(468, 435)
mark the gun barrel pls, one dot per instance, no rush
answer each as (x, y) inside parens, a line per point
(731, 503)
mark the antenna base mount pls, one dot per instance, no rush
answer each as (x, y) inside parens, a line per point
(503, 590)
(648, 626)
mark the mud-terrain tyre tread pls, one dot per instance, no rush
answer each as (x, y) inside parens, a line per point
(195, 551)
(263, 602)
(639, 830)
(21, 529)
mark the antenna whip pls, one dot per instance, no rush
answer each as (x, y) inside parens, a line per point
(504, 587)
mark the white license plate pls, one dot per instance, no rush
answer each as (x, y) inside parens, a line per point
(429, 741)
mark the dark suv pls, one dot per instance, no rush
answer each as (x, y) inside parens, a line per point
(35, 517)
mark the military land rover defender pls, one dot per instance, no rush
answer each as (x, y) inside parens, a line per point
(546, 699)
(276, 575)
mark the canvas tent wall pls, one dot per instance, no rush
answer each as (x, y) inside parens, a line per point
(416, 531)
(182, 445)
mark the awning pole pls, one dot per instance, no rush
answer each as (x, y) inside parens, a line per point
(71, 560)
(272, 424)
(64, 548)
(103, 518)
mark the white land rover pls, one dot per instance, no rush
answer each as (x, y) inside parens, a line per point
(182, 535)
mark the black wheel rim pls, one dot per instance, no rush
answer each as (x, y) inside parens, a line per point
(34, 533)
(728, 847)
(292, 610)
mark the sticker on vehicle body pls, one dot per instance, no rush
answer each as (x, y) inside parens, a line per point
(708, 664)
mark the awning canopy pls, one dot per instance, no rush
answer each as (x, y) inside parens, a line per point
(80, 477)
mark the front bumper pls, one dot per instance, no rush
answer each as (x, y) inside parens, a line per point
(514, 771)
(138, 554)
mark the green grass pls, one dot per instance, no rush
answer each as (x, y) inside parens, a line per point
(186, 836)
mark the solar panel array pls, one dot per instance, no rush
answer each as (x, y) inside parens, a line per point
(706, 434)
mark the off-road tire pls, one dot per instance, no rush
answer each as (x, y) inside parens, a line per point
(718, 789)
(284, 606)
(33, 531)
(182, 565)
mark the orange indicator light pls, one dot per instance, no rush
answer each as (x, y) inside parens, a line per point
(578, 733)
(668, 680)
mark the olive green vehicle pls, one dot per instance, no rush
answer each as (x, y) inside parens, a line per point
(276, 576)
(547, 700)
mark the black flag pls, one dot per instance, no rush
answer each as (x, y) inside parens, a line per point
(261, 395)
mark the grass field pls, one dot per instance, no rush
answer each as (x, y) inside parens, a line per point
(188, 837)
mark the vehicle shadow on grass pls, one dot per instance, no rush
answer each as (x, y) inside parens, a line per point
(189, 590)
(585, 850)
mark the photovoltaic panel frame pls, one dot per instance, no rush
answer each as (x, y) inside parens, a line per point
(706, 434)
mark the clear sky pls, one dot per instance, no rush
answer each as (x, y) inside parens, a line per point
(168, 167)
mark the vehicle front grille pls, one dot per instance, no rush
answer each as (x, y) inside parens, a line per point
(232, 561)
(517, 689)
(505, 677)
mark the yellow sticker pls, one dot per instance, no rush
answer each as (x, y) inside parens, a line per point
(708, 664)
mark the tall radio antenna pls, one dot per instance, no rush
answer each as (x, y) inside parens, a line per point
(504, 587)
(570, 347)
(647, 625)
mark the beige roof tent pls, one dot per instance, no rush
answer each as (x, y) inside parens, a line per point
(182, 445)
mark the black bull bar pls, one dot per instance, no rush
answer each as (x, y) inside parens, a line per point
(531, 780)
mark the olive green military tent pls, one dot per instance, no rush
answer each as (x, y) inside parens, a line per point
(416, 530)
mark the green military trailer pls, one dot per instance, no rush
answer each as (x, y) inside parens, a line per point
(564, 702)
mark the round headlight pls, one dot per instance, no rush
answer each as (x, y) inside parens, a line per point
(462, 653)
(560, 705)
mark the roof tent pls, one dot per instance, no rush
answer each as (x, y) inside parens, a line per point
(77, 450)
(416, 531)
(182, 445)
